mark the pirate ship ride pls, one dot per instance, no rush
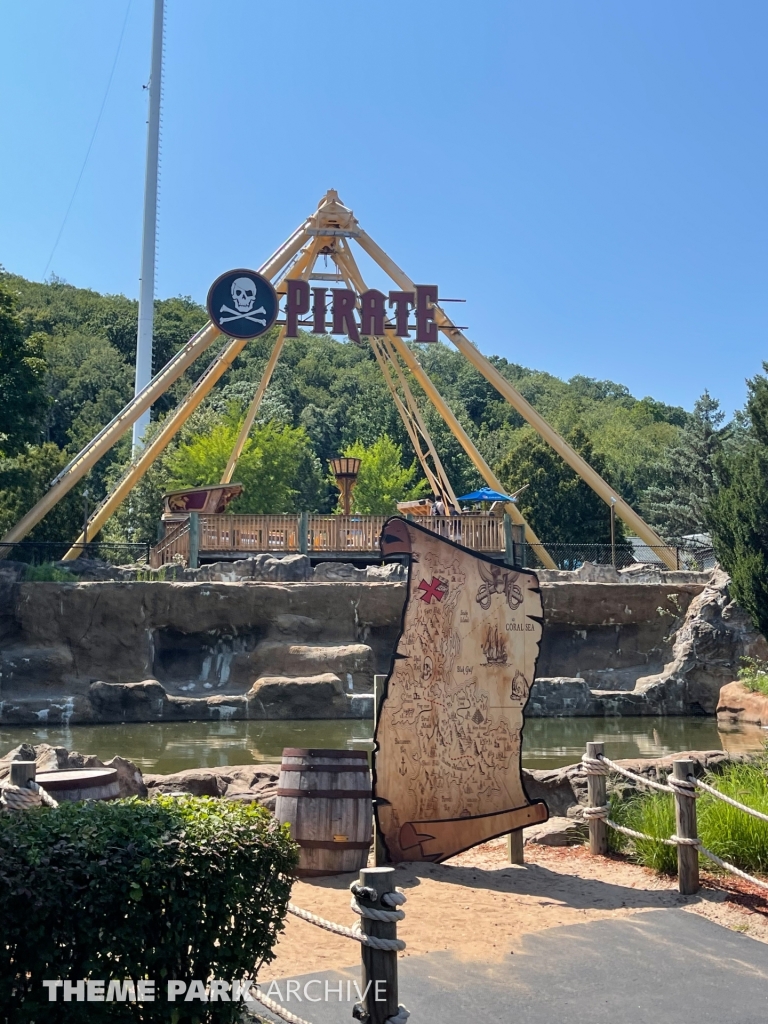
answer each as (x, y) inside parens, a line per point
(327, 235)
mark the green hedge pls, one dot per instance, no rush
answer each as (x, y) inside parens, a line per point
(162, 889)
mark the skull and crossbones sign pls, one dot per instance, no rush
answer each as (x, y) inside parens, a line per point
(243, 297)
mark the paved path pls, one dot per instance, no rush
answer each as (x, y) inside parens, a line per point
(660, 967)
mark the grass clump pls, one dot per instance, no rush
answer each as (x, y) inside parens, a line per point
(47, 572)
(654, 814)
(732, 834)
(753, 674)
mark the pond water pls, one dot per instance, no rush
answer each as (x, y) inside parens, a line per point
(547, 742)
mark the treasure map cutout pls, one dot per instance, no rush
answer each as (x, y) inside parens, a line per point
(447, 766)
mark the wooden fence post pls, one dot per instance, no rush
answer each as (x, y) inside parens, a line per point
(194, 540)
(379, 965)
(515, 847)
(597, 794)
(509, 544)
(685, 820)
(304, 533)
(22, 772)
(379, 851)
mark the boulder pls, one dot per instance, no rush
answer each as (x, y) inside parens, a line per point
(290, 697)
(354, 663)
(738, 704)
(253, 783)
(557, 832)
(260, 568)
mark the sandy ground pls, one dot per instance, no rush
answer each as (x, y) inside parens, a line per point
(479, 907)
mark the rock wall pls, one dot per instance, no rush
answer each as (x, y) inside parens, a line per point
(136, 651)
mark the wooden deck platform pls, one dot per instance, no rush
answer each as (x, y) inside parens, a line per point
(211, 538)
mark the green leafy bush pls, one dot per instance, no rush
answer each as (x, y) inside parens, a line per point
(163, 889)
(754, 675)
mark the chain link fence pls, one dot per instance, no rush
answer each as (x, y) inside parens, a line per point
(690, 556)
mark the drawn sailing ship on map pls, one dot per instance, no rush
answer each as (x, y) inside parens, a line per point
(447, 771)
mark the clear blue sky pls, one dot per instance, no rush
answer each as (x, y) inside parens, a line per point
(591, 176)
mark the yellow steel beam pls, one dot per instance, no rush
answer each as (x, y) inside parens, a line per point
(381, 359)
(458, 431)
(125, 419)
(172, 424)
(301, 269)
(468, 445)
(526, 410)
(348, 266)
(170, 427)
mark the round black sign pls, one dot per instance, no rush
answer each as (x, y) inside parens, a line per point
(242, 304)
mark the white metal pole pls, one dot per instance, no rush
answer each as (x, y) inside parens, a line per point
(147, 286)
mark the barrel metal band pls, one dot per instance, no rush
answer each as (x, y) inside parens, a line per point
(300, 769)
(329, 844)
(327, 794)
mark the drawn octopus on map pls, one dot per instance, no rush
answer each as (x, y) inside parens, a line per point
(447, 771)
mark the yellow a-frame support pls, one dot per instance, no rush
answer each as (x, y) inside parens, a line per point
(325, 232)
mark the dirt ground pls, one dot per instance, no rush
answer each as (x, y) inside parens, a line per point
(480, 907)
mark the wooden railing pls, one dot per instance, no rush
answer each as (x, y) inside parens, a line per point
(312, 534)
(176, 542)
(344, 533)
(253, 534)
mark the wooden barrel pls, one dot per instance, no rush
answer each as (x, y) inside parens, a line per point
(80, 783)
(325, 796)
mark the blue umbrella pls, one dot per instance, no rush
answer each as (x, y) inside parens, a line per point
(486, 494)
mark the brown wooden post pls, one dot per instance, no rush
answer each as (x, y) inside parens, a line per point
(597, 794)
(379, 850)
(685, 820)
(515, 847)
(379, 965)
(22, 772)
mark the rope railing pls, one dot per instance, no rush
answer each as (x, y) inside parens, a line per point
(363, 903)
(683, 786)
(728, 799)
(20, 792)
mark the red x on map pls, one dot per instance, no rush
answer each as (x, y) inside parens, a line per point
(437, 589)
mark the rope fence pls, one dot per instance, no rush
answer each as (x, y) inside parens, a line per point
(377, 904)
(683, 786)
(20, 792)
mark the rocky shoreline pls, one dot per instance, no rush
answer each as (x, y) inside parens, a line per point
(564, 790)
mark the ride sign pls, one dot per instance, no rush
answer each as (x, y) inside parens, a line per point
(242, 304)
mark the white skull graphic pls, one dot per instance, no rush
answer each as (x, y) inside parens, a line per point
(243, 294)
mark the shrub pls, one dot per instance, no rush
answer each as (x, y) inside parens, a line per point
(163, 889)
(754, 675)
(47, 572)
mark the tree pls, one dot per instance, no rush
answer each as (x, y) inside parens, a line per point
(278, 469)
(560, 507)
(737, 512)
(24, 480)
(687, 473)
(22, 381)
(383, 480)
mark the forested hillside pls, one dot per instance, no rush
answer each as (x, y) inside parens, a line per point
(66, 367)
